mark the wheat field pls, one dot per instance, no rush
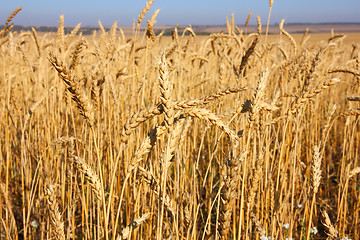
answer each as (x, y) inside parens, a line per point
(234, 135)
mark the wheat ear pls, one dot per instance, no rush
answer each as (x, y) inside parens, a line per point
(144, 12)
(258, 95)
(9, 19)
(208, 116)
(229, 193)
(291, 39)
(60, 37)
(76, 54)
(36, 39)
(247, 22)
(165, 90)
(125, 233)
(167, 201)
(305, 97)
(353, 112)
(248, 53)
(82, 103)
(333, 233)
(138, 118)
(150, 32)
(180, 105)
(258, 19)
(55, 216)
(316, 177)
(345, 70)
(74, 32)
(90, 175)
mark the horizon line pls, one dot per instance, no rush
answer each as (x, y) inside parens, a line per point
(199, 25)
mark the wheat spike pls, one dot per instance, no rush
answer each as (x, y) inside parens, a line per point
(229, 193)
(91, 176)
(60, 37)
(81, 101)
(271, 2)
(333, 233)
(36, 39)
(144, 12)
(247, 21)
(165, 85)
(138, 118)
(311, 93)
(345, 70)
(208, 116)
(167, 201)
(316, 169)
(125, 233)
(150, 32)
(248, 53)
(258, 19)
(9, 19)
(55, 216)
(76, 54)
(354, 172)
(291, 39)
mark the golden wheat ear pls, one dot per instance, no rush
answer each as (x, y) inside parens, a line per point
(55, 216)
(144, 12)
(8, 28)
(81, 101)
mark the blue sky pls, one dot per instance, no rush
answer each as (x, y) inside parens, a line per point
(182, 12)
